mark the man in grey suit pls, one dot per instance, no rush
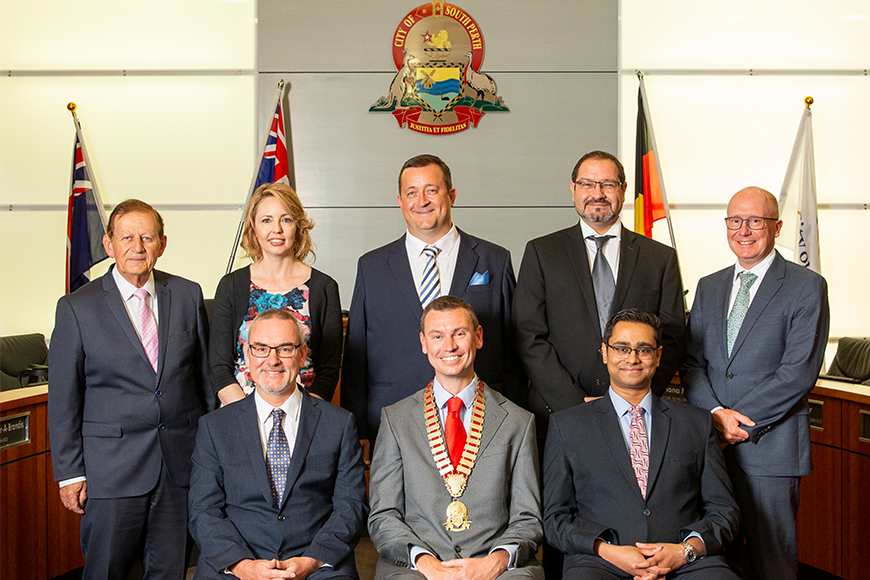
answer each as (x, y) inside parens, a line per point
(572, 280)
(757, 335)
(636, 486)
(454, 480)
(128, 383)
(381, 364)
(277, 489)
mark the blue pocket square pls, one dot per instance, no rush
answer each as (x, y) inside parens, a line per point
(480, 279)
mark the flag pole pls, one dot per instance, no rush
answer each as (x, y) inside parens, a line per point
(101, 210)
(279, 92)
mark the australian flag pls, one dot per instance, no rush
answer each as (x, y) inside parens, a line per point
(85, 226)
(273, 166)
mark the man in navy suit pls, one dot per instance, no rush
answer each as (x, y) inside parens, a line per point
(636, 486)
(381, 363)
(757, 336)
(128, 383)
(277, 489)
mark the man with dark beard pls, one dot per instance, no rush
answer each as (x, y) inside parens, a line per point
(572, 280)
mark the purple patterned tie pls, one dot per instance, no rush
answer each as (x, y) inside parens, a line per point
(638, 448)
(147, 327)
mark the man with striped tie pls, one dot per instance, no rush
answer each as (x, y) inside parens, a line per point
(277, 487)
(636, 486)
(394, 283)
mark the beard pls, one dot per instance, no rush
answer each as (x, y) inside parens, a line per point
(598, 217)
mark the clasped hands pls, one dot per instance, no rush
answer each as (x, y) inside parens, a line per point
(298, 568)
(646, 561)
(486, 568)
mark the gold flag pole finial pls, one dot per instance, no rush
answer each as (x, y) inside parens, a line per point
(639, 75)
(281, 84)
(71, 107)
(809, 101)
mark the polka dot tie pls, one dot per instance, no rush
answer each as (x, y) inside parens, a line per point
(277, 456)
(638, 448)
(739, 310)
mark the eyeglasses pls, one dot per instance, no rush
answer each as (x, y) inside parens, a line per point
(754, 222)
(589, 186)
(283, 350)
(643, 352)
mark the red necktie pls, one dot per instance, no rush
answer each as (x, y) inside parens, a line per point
(454, 431)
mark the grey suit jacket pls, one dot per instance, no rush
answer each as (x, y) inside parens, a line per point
(591, 492)
(773, 366)
(556, 317)
(111, 417)
(409, 499)
(383, 362)
(232, 513)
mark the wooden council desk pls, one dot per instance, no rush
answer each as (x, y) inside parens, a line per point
(834, 505)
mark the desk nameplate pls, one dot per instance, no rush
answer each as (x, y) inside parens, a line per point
(817, 414)
(15, 430)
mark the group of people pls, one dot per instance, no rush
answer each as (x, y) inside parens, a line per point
(576, 356)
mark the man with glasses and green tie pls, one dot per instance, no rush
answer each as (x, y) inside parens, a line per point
(277, 487)
(571, 281)
(757, 336)
(636, 486)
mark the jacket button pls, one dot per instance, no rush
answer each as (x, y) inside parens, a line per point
(458, 548)
(280, 555)
(729, 374)
(158, 393)
(161, 426)
(598, 382)
(282, 517)
(646, 512)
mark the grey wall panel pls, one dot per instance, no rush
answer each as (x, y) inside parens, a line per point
(317, 35)
(346, 156)
(342, 235)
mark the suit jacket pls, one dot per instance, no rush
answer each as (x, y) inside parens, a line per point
(556, 318)
(409, 499)
(773, 366)
(111, 417)
(231, 303)
(383, 360)
(232, 513)
(591, 492)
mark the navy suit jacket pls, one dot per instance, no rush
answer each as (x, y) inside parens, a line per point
(383, 359)
(111, 417)
(591, 492)
(232, 513)
(772, 368)
(556, 317)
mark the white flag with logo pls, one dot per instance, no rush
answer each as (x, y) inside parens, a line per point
(797, 199)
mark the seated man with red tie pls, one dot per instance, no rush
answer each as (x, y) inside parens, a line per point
(636, 486)
(454, 477)
(277, 488)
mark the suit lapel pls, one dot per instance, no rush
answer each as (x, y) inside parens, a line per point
(576, 247)
(466, 262)
(719, 314)
(417, 414)
(403, 280)
(116, 305)
(250, 427)
(608, 422)
(658, 441)
(627, 261)
(493, 416)
(164, 308)
(309, 416)
(770, 285)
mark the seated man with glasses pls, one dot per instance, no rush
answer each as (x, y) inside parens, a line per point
(635, 486)
(277, 484)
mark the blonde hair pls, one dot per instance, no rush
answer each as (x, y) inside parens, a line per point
(302, 246)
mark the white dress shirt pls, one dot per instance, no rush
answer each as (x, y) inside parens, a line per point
(760, 269)
(291, 408)
(446, 259)
(610, 248)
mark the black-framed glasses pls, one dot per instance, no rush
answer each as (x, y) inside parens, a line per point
(282, 350)
(607, 186)
(754, 222)
(643, 352)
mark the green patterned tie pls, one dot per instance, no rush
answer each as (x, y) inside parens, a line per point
(738, 311)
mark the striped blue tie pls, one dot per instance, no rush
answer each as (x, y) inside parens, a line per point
(430, 287)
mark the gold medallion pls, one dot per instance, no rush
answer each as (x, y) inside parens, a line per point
(457, 517)
(455, 483)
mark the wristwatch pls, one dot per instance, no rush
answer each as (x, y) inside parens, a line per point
(689, 554)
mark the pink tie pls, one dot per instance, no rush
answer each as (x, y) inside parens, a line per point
(147, 327)
(638, 448)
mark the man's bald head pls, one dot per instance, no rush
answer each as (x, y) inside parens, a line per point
(767, 200)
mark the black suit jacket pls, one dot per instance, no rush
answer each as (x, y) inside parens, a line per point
(591, 492)
(232, 513)
(383, 359)
(556, 318)
(111, 417)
